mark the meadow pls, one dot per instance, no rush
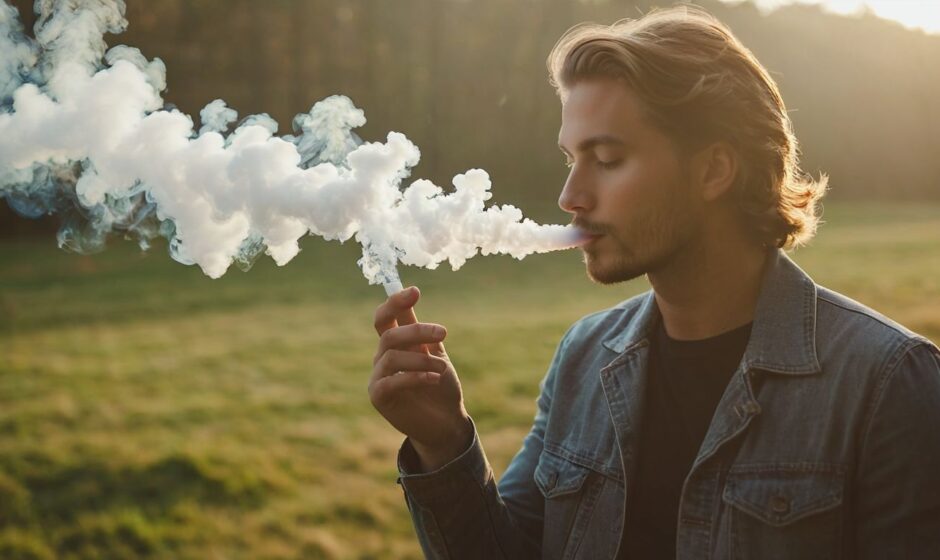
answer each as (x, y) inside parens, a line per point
(147, 411)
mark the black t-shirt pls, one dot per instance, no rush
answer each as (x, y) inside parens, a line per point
(685, 382)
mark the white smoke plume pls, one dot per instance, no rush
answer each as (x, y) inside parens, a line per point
(84, 133)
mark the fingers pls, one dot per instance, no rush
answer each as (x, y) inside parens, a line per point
(398, 309)
(411, 336)
(385, 387)
(395, 361)
(408, 317)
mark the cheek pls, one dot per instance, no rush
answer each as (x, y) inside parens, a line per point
(623, 187)
(633, 189)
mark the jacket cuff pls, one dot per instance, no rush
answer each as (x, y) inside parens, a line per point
(447, 483)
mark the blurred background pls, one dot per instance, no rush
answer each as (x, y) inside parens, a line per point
(149, 412)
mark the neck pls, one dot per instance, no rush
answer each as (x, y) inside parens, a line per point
(709, 288)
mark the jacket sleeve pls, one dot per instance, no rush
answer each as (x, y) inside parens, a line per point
(898, 497)
(459, 511)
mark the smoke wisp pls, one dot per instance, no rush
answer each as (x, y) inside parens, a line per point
(85, 134)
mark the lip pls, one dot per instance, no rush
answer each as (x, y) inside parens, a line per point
(591, 238)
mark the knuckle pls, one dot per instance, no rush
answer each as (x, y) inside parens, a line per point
(387, 337)
(404, 334)
(373, 391)
(377, 396)
(384, 362)
(378, 318)
(431, 330)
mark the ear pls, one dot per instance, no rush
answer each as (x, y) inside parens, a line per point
(715, 168)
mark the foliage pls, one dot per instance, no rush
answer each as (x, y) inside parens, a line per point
(466, 80)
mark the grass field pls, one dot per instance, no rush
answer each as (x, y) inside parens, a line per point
(149, 412)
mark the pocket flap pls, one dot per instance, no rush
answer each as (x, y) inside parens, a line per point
(781, 496)
(556, 476)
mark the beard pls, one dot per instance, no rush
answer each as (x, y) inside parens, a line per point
(648, 243)
(623, 267)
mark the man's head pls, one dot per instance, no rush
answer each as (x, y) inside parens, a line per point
(669, 122)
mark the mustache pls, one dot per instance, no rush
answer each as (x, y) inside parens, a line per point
(590, 227)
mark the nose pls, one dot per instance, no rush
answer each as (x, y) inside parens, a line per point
(575, 197)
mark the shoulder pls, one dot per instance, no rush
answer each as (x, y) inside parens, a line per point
(842, 320)
(844, 324)
(835, 306)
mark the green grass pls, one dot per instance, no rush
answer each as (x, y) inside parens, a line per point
(149, 412)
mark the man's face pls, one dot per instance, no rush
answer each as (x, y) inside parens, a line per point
(626, 183)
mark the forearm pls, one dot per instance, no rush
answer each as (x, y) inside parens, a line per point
(457, 511)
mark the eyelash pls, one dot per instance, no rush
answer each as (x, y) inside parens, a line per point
(602, 164)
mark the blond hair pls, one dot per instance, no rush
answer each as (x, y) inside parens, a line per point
(699, 84)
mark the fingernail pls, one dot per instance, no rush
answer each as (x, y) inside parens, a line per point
(437, 332)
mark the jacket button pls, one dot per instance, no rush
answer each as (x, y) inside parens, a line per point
(780, 504)
(746, 409)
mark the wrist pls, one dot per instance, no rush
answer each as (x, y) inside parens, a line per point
(433, 457)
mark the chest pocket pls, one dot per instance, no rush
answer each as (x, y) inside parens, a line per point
(785, 511)
(570, 491)
(556, 476)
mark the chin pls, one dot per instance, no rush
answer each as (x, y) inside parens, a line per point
(606, 273)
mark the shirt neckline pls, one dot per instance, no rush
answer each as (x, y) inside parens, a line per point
(726, 341)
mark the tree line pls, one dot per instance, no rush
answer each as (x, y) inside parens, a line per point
(466, 80)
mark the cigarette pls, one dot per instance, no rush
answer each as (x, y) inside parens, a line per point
(392, 287)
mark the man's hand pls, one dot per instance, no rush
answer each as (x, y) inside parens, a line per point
(414, 385)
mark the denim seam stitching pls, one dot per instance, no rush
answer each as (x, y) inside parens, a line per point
(818, 506)
(589, 500)
(580, 460)
(758, 468)
(887, 374)
(489, 514)
(435, 537)
(863, 314)
(716, 499)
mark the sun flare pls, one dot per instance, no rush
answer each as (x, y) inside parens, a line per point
(918, 14)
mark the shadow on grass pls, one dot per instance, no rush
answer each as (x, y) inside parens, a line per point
(63, 494)
(91, 510)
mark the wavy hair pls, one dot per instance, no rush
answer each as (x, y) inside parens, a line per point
(699, 84)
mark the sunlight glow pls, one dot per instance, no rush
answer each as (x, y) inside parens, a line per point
(918, 14)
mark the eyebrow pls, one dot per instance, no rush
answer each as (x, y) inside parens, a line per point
(587, 144)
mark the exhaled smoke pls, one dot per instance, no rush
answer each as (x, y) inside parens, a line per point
(84, 134)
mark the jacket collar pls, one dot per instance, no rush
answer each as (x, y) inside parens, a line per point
(783, 337)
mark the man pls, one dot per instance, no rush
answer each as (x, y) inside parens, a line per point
(737, 410)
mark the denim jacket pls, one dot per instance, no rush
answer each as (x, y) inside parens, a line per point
(825, 444)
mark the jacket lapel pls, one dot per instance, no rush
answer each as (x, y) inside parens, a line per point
(782, 341)
(624, 381)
